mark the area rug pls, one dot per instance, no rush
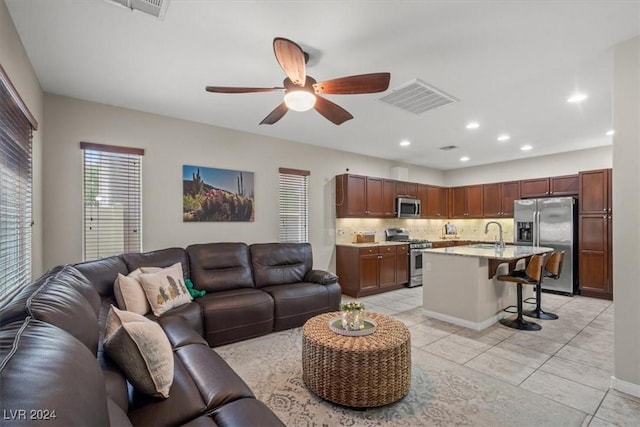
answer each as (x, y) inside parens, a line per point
(442, 393)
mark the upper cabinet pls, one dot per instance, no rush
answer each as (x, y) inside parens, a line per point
(360, 196)
(433, 201)
(498, 199)
(538, 187)
(595, 192)
(466, 202)
(406, 189)
(566, 185)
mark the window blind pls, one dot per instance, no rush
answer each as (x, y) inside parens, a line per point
(294, 205)
(112, 193)
(16, 126)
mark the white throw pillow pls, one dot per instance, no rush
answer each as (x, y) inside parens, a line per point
(141, 349)
(129, 293)
(165, 289)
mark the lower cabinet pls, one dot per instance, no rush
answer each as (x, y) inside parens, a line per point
(368, 270)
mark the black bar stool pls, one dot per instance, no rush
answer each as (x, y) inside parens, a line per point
(552, 270)
(531, 276)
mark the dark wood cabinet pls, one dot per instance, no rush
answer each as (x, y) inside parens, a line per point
(388, 198)
(595, 234)
(359, 196)
(406, 189)
(466, 202)
(538, 187)
(436, 206)
(595, 188)
(566, 185)
(402, 264)
(498, 199)
(368, 270)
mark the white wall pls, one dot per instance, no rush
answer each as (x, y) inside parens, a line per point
(534, 167)
(626, 205)
(16, 64)
(169, 144)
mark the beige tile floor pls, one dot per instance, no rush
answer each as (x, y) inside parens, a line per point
(570, 360)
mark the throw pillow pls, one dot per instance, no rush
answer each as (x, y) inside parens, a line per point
(129, 293)
(165, 289)
(142, 350)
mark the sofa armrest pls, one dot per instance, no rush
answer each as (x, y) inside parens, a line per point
(179, 332)
(321, 276)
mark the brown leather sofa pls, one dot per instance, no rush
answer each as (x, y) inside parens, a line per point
(53, 369)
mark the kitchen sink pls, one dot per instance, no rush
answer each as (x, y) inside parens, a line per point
(482, 246)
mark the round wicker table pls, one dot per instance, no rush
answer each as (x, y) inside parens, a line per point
(361, 372)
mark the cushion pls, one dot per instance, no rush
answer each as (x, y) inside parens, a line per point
(129, 293)
(165, 289)
(141, 349)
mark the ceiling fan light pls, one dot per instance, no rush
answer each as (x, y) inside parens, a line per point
(299, 100)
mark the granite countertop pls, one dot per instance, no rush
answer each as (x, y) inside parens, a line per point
(373, 244)
(510, 252)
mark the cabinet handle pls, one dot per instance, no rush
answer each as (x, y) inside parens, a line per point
(604, 210)
(604, 216)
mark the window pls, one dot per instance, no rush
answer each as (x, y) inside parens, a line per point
(294, 205)
(16, 126)
(112, 200)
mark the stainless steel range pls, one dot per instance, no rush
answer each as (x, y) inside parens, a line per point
(415, 254)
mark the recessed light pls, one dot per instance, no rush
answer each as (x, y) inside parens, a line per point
(464, 159)
(611, 132)
(577, 97)
(504, 137)
(405, 143)
(473, 125)
(526, 147)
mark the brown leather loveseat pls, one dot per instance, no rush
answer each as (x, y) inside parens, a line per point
(54, 371)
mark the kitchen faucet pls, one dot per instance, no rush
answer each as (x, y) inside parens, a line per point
(486, 230)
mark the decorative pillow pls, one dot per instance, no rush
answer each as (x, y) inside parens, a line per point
(129, 293)
(165, 289)
(142, 350)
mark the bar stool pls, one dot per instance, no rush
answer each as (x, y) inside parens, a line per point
(552, 270)
(531, 276)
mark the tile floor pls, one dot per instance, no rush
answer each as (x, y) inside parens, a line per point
(570, 360)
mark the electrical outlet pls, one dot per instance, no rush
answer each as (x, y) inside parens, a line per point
(427, 266)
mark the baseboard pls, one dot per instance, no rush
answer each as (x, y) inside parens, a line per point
(462, 322)
(625, 387)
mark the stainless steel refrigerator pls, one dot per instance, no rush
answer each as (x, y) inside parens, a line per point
(550, 222)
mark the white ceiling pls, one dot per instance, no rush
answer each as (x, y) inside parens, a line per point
(512, 64)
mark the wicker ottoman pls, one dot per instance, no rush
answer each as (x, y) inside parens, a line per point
(362, 372)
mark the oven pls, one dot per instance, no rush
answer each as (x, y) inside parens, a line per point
(415, 262)
(415, 253)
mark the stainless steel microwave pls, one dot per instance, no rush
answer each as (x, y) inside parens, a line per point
(407, 208)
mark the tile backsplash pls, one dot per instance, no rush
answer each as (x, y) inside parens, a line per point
(431, 229)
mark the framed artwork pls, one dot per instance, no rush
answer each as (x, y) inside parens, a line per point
(218, 195)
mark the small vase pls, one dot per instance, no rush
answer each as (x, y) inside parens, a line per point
(353, 320)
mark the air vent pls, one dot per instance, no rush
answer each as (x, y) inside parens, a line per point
(156, 8)
(417, 97)
(448, 147)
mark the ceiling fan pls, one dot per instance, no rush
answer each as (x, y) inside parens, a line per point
(302, 92)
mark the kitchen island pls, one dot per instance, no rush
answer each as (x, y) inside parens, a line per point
(460, 285)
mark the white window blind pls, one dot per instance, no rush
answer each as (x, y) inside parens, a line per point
(294, 205)
(16, 126)
(112, 200)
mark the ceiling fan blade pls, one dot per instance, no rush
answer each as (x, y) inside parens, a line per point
(332, 112)
(275, 115)
(291, 58)
(363, 83)
(228, 89)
